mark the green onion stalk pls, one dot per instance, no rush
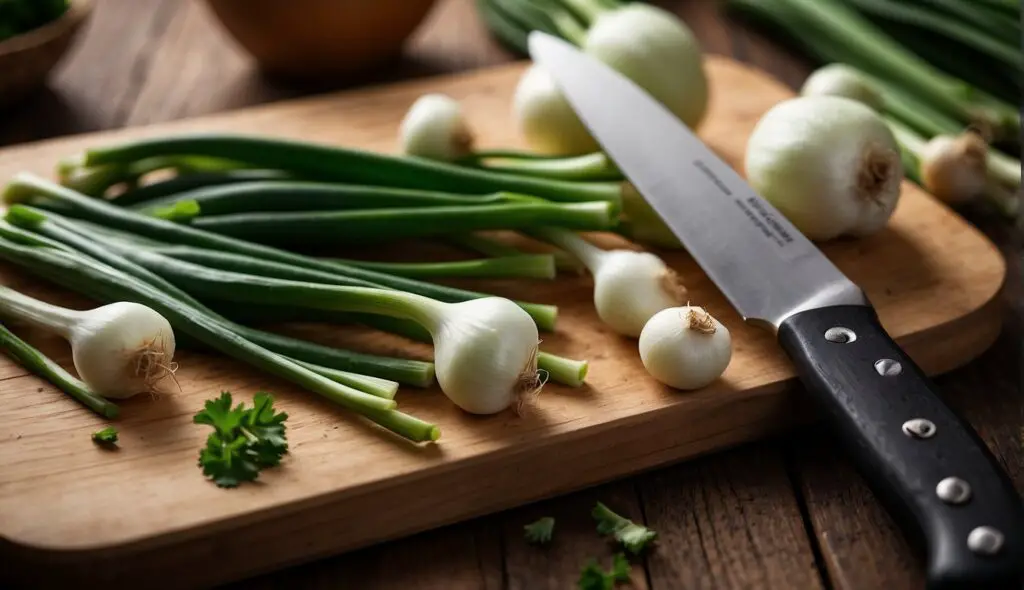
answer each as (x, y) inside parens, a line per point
(41, 365)
(326, 228)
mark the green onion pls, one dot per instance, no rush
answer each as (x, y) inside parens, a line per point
(562, 370)
(40, 364)
(73, 269)
(333, 227)
(24, 187)
(245, 197)
(589, 167)
(351, 165)
(535, 266)
(189, 182)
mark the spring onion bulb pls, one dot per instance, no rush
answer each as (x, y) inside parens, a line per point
(954, 168)
(485, 353)
(685, 347)
(629, 286)
(119, 350)
(646, 44)
(546, 119)
(655, 49)
(829, 164)
(838, 79)
(435, 128)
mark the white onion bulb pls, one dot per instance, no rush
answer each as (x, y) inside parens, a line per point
(434, 128)
(629, 286)
(685, 348)
(655, 49)
(829, 164)
(955, 169)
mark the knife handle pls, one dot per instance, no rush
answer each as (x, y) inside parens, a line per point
(908, 444)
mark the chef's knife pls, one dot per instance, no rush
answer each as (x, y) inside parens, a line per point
(927, 465)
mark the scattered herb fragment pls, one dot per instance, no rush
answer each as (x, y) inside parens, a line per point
(107, 436)
(634, 537)
(594, 578)
(539, 532)
(244, 440)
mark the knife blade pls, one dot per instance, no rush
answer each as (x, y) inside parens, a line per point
(927, 465)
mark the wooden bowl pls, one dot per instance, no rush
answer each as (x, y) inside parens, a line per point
(26, 60)
(320, 38)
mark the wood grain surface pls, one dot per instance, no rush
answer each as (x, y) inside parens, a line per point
(162, 60)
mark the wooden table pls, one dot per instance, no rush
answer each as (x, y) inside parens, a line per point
(787, 513)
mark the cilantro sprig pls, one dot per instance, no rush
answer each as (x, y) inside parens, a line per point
(594, 578)
(634, 537)
(244, 440)
(540, 532)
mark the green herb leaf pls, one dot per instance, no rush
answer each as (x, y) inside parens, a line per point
(540, 531)
(244, 441)
(107, 436)
(594, 578)
(634, 537)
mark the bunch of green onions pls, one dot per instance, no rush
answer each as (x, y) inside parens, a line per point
(205, 229)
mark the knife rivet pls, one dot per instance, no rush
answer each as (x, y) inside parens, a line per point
(888, 367)
(953, 490)
(840, 335)
(985, 540)
(919, 428)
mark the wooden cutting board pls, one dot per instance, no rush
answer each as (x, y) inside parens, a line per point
(69, 510)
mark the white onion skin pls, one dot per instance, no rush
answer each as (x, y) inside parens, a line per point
(106, 343)
(681, 357)
(807, 157)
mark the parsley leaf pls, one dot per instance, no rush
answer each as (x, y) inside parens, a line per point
(540, 532)
(634, 537)
(243, 441)
(594, 578)
(107, 436)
